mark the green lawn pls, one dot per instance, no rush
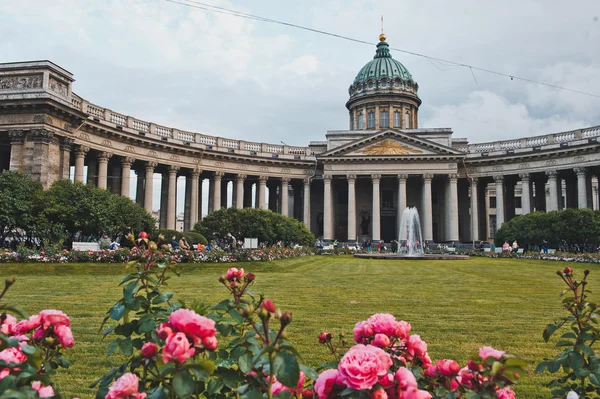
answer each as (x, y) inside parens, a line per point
(456, 306)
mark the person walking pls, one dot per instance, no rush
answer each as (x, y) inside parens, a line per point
(545, 246)
(515, 247)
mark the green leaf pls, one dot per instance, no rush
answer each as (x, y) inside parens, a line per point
(563, 342)
(286, 369)
(215, 385)
(146, 324)
(575, 360)
(595, 379)
(202, 369)
(159, 393)
(117, 311)
(126, 347)
(540, 367)
(553, 366)
(128, 291)
(252, 394)
(548, 331)
(183, 383)
(245, 362)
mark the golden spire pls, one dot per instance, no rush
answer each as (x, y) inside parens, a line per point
(382, 35)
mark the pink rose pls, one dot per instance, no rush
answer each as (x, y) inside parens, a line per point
(416, 346)
(414, 393)
(8, 325)
(278, 387)
(406, 379)
(4, 373)
(164, 331)
(448, 367)
(362, 366)
(54, 318)
(192, 324)
(210, 343)
(24, 326)
(431, 372)
(381, 341)
(326, 383)
(177, 347)
(505, 393)
(125, 387)
(43, 391)
(488, 351)
(383, 323)
(234, 273)
(362, 331)
(324, 337)
(13, 355)
(65, 336)
(425, 361)
(379, 394)
(149, 349)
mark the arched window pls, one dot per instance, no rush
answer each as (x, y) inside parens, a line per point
(407, 123)
(384, 119)
(361, 121)
(397, 119)
(371, 120)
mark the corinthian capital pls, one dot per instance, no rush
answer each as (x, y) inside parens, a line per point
(16, 136)
(104, 156)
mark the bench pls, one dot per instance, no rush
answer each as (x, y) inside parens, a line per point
(86, 246)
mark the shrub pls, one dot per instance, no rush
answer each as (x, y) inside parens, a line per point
(195, 238)
(569, 226)
(168, 234)
(269, 227)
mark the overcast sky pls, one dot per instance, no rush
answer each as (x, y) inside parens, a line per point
(232, 77)
(226, 76)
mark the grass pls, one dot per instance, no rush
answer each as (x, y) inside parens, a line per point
(456, 306)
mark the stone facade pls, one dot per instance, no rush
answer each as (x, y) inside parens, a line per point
(352, 186)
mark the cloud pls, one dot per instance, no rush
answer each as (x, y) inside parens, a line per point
(487, 116)
(302, 65)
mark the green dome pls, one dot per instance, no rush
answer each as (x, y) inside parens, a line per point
(383, 66)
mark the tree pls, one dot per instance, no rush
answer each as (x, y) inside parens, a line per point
(91, 211)
(269, 227)
(20, 204)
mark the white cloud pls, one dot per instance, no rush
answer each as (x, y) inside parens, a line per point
(486, 116)
(302, 65)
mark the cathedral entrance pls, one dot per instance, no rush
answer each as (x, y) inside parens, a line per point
(388, 228)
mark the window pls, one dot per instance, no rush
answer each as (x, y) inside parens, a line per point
(396, 119)
(407, 123)
(360, 122)
(518, 203)
(384, 121)
(492, 202)
(371, 120)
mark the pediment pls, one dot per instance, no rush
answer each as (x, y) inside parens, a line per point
(391, 143)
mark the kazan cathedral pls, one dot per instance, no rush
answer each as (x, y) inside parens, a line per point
(352, 186)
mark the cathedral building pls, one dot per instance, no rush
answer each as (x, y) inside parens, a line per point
(352, 186)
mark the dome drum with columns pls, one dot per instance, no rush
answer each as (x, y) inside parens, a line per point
(352, 186)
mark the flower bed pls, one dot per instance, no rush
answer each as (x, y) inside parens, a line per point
(124, 255)
(534, 255)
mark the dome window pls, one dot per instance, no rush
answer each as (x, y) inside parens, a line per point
(370, 84)
(383, 83)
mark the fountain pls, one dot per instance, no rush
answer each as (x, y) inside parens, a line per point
(410, 241)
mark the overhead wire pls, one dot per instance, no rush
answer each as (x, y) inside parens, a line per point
(227, 11)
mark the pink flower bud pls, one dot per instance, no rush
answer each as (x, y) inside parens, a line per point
(448, 367)
(568, 271)
(164, 331)
(210, 343)
(285, 319)
(269, 306)
(308, 394)
(325, 337)
(150, 349)
(381, 341)
(379, 394)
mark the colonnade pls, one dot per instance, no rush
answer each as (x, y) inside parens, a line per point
(279, 188)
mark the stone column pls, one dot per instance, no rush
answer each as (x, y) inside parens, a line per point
(66, 145)
(327, 209)
(553, 188)
(376, 218)
(351, 207)
(453, 215)
(103, 158)
(499, 200)
(194, 198)
(306, 210)
(41, 156)
(474, 209)
(149, 188)
(402, 204)
(377, 118)
(80, 163)
(285, 195)
(581, 187)
(126, 176)
(17, 140)
(216, 185)
(239, 191)
(172, 199)
(262, 192)
(427, 208)
(525, 194)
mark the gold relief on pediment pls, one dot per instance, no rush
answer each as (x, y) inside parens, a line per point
(389, 147)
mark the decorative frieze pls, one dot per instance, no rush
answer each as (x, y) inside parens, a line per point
(16, 136)
(21, 82)
(41, 136)
(58, 87)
